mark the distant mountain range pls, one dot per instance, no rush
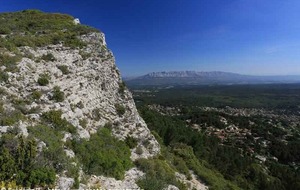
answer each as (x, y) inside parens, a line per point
(206, 78)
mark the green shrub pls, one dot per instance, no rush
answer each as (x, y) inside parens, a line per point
(84, 55)
(36, 95)
(54, 117)
(83, 123)
(47, 134)
(1, 107)
(11, 117)
(103, 154)
(58, 95)
(122, 87)
(64, 69)
(158, 174)
(53, 155)
(10, 62)
(43, 80)
(131, 142)
(48, 57)
(214, 179)
(151, 183)
(3, 76)
(18, 161)
(41, 176)
(4, 30)
(120, 109)
(20, 105)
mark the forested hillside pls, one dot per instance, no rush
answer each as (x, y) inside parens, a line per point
(251, 147)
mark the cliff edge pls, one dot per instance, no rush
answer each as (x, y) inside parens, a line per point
(62, 103)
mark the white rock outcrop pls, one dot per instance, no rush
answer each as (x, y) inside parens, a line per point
(93, 92)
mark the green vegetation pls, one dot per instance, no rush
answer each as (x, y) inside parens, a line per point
(122, 87)
(3, 77)
(36, 95)
(103, 154)
(64, 69)
(131, 142)
(47, 134)
(229, 163)
(43, 80)
(53, 155)
(209, 176)
(83, 123)
(270, 96)
(18, 159)
(35, 29)
(9, 118)
(58, 95)
(84, 55)
(48, 57)
(9, 61)
(228, 160)
(54, 118)
(120, 109)
(158, 174)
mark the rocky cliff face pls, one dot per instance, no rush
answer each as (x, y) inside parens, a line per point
(93, 90)
(93, 96)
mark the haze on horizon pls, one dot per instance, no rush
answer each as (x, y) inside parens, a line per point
(242, 36)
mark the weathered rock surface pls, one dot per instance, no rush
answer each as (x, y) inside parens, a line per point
(93, 92)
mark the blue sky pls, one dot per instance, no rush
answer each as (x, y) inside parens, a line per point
(259, 37)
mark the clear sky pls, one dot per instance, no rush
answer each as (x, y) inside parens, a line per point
(245, 36)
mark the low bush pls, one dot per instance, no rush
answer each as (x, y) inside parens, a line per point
(131, 142)
(47, 134)
(103, 154)
(10, 62)
(9, 118)
(53, 155)
(36, 95)
(48, 57)
(64, 69)
(83, 123)
(122, 87)
(3, 77)
(43, 79)
(120, 109)
(214, 179)
(58, 95)
(158, 174)
(54, 118)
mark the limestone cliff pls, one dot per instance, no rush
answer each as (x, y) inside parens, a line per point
(83, 83)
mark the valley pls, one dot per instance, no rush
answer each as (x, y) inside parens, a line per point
(248, 133)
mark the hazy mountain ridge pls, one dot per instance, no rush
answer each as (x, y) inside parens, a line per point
(206, 78)
(188, 74)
